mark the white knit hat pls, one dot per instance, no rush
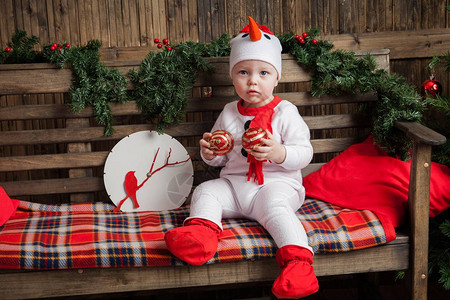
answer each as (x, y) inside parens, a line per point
(256, 43)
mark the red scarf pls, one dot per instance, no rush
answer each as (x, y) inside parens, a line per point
(263, 119)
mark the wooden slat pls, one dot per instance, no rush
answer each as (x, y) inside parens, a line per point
(52, 161)
(50, 80)
(333, 145)
(402, 44)
(336, 121)
(90, 134)
(53, 186)
(60, 161)
(311, 168)
(107, 280)
(54, 111)
(46, 78)
(97, 159)
(50, 136)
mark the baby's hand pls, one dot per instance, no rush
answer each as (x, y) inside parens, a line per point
(270, 150)
(205, 146)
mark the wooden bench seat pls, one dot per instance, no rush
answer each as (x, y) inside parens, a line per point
(49, 154)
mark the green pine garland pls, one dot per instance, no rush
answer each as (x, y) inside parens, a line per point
(93, 84)
(338, 72)
(20, 50)
(164, 79)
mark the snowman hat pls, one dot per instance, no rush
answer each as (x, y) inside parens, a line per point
(256, 42)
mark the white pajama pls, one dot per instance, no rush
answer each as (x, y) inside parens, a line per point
(272, 204)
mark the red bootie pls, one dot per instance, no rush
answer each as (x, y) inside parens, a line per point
(297, 278)
(195, 243)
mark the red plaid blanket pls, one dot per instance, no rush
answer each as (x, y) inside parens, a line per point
(91, 235)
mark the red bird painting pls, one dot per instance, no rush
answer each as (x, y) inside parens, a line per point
(131, 186)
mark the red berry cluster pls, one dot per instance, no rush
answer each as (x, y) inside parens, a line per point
(165, 43)
(302, 38)
(55, 46)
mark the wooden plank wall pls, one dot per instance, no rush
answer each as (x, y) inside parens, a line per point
(414, 30)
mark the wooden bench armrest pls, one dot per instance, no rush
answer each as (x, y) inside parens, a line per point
(419, 201)
(420, 133)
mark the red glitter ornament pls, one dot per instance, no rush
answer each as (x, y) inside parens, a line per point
(221, 142)
(431, 87)
(252, 137)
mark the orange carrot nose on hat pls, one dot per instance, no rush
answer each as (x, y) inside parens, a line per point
(256, 42)
(254, 32)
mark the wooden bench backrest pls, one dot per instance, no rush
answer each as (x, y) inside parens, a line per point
(49, 154)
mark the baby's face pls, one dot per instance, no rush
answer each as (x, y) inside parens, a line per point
(254, 81)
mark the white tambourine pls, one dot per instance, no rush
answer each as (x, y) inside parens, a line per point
(147, 171)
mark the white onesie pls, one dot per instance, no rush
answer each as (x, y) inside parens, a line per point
(272, 204)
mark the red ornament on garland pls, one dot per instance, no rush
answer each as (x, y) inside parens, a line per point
(221, 142)
(252, 137)
(431, 87)
(8, 49)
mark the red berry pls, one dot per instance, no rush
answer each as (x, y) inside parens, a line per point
(68, 45)
(301, 40)
(8, 49)
(159, 46)
(156, 41)
(169, 48)
(55, 45)
(53, 48)
(314, 41)
(297, 36)
(165, 41)
(304, 34)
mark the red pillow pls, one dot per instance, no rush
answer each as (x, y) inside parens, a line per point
(365, 177)
(8, 206)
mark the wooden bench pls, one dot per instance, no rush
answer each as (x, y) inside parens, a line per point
(49, 154)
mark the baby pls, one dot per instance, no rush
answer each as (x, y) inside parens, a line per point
(262, 184)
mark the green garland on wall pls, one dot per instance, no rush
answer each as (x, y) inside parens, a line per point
(163, 80)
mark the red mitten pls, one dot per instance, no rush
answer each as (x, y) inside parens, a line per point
(297, 278)
(195, 243)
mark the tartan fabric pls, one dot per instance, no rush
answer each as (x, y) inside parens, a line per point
(42, 236)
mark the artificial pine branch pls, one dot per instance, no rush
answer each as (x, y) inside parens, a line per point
(21, 49)
(93, 84)
(164, 79)
(337, 72)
